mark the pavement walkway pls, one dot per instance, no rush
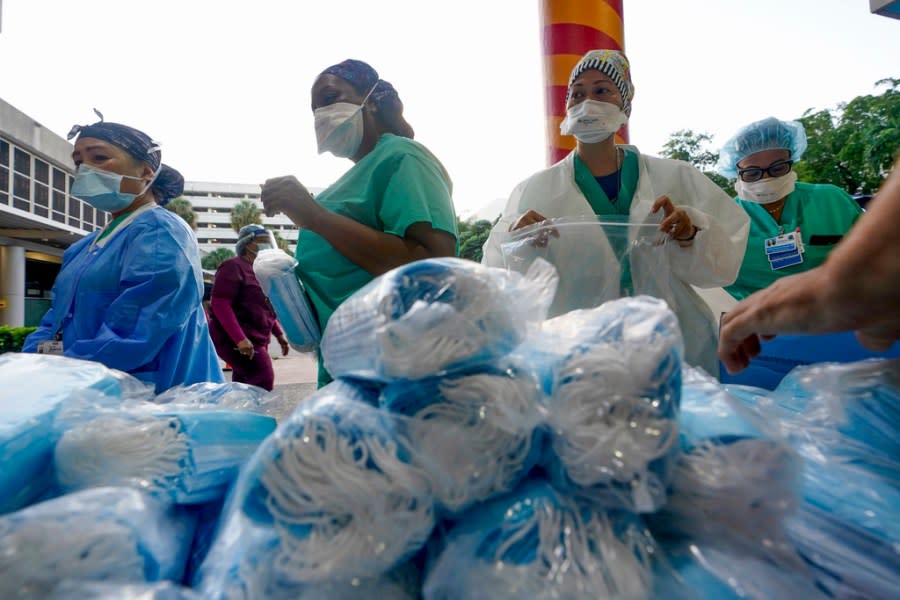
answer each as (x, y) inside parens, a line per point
(295, 374)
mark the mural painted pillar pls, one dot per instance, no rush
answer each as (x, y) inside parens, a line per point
(569, 29)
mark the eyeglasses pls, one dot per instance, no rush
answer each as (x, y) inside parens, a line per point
(776, 169)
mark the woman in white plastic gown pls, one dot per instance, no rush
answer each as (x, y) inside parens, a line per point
(129, 295)
(707, 231)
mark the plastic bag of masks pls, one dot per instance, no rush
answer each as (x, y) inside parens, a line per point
(32, 387)
(844, 421)
(331, 497)
(432, 316)
(100, 534)
(612, 382)
(185, 453)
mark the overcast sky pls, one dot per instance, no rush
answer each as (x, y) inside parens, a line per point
(224, 84)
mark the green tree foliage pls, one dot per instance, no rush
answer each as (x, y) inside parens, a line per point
(854, 145)
(244, 213)
(12, 338)
(282, 243)
(472, 235)
(182, 207)
(211, 261)
(693, 148)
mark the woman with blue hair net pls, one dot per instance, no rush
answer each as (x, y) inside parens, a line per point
(241, 318)
(392, 207)
(793, 225)
(602, 180)
(129, 296)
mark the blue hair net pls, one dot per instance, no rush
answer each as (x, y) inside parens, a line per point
(246, 235)
(767, 134)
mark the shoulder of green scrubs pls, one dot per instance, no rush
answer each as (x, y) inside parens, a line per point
(822, 212)
(396, 185)
(595, 195)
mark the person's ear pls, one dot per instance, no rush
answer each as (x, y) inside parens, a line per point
(147, 172)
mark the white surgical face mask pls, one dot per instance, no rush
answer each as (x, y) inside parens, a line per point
(592, 121)
(766, 190)
(340, 127)
(261, 247)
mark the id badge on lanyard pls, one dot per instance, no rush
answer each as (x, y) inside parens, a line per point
(54, 346)
(784, 250)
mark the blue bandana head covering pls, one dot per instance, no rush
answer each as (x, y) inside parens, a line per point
(363, 77)
(168, 184)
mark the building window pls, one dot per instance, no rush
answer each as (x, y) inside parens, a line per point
(41, 171)
(4, 153)
(41, 198)
(74, 212)
(4, 184)
(22, 162)
(59, 180)
(21, 192)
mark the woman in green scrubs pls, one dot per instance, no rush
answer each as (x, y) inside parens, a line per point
(793, 225)
(392, 207)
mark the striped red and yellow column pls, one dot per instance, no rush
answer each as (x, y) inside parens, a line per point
(570, 28)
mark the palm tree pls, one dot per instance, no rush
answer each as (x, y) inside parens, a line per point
(182, 207)
(244, 213)
(211, 261)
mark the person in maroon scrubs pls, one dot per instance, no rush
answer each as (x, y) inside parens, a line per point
(241, 319)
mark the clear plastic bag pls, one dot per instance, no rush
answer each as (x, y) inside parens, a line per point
(843, 421)
(275, 271)
(32, 386)
(426, 317)
(331, 495)
(535, 543)
(224, 396)
(475, 433)
(595, 258)
(613, 380)
(187, 454)
(732, 482)
(704, 571)
(102, 534)
(98, 590)
(604, 258)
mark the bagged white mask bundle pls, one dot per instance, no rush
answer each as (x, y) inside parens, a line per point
(434, 315)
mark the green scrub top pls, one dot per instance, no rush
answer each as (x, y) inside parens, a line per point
(397, 184)
(817, 210)
(621, 208)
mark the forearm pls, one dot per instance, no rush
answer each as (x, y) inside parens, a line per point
(864, 269)
(375, 251)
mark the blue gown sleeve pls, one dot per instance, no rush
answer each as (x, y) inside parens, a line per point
(160, 288)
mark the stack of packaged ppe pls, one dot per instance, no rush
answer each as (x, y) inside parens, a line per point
(32, 388)
(844, 420)
(472, 448)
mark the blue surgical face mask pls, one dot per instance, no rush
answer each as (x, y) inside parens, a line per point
(261, 247)
(101, 189)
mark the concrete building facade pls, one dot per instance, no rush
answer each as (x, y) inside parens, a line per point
(39, 219)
